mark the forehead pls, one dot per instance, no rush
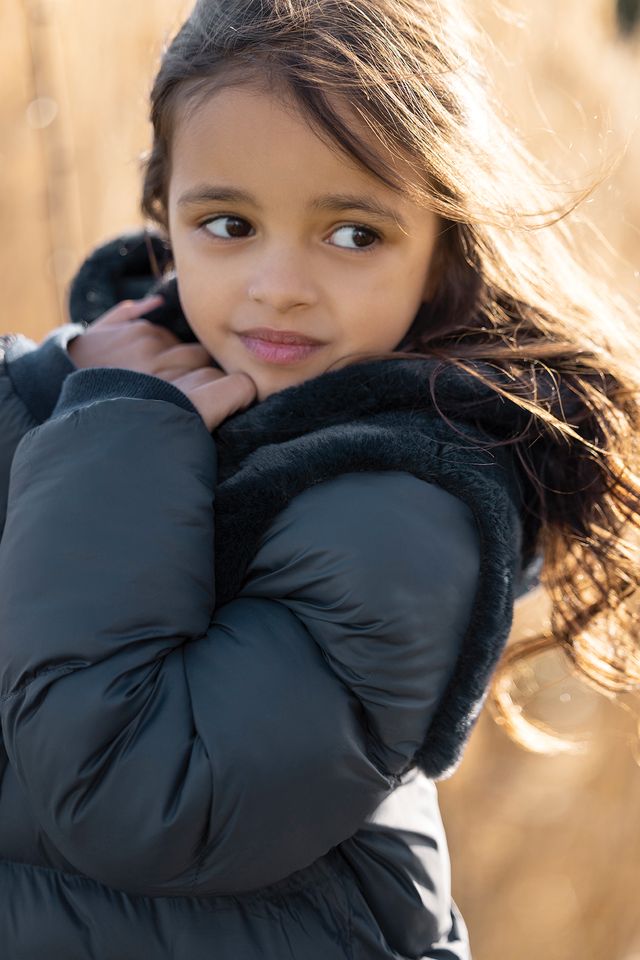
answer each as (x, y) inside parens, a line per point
(259, 137)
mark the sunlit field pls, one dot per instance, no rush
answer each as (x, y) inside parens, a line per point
(545, 850)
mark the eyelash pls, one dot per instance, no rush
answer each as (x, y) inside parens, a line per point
(355, 226)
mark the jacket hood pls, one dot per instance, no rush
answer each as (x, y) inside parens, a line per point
(130, 266)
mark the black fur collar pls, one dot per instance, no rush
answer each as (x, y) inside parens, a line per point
(363, 390)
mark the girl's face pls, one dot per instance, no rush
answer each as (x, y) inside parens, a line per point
(272, 228)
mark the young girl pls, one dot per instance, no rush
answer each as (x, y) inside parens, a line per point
(265, 527)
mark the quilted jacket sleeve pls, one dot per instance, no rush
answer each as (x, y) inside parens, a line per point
(171, 748)
(31, 377)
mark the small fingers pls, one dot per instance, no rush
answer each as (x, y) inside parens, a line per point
(195, 378)
(131, 309)
(242, 388)
(135, 308)
(218, 400)
(185, 356)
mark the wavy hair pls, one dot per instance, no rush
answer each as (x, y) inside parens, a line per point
(514, 306)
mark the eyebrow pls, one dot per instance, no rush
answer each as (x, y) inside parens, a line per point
(206, 193)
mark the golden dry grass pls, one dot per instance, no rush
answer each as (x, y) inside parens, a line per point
(545, 851)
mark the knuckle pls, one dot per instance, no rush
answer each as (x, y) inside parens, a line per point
(162, 334)
(126, 306)
(245, 387)
(197, 350)
(141, 324)
(247, 381)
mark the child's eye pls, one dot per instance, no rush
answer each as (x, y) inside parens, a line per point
(235, 226)
(359, 232)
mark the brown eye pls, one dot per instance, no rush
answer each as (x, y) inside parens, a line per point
(235, 227)
(363, 237)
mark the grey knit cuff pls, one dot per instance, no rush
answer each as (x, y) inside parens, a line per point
(38, 372)
(92, 384)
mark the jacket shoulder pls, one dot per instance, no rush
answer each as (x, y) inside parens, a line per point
(392, 526)
(382, 568)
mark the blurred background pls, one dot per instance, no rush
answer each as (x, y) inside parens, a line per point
(545, 850)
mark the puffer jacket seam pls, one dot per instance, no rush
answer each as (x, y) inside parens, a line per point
(62, 671)
(202, 853)
(349, 943)
(374, 745)
(335, 866)
(67, 875)
(4, 372)
(266, 894)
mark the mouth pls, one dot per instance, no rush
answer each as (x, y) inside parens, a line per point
(280, 336)
(279, 352)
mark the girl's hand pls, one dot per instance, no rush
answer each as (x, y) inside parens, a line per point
(123, 338)
(214, 393)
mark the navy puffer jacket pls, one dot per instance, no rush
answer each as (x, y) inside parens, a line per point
(231, 664)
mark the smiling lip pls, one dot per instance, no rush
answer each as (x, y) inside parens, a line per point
(279, 336)
(278, 352)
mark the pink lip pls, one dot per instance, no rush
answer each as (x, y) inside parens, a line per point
(279, 352)
(279, 336)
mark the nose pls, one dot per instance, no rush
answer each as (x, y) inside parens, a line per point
(280, 280)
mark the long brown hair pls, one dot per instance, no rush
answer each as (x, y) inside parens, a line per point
(511, 291)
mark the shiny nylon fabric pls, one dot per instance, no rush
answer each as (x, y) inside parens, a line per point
(79, 919)
(55, 911)
(321, 914)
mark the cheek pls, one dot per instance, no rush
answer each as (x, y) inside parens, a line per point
(205, 292)
(386, 318)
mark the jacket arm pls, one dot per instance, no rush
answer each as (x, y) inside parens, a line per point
(381, 568)
(31, 377)
(171, 748)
